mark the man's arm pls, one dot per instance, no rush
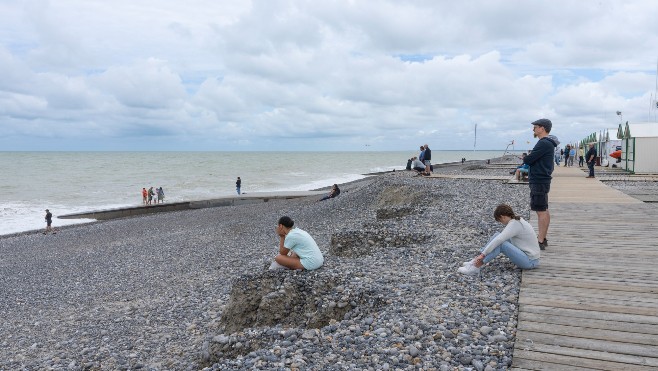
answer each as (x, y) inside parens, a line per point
(282, 249)
(282, 237)
(541, 148)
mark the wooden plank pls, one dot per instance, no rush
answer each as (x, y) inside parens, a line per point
(583, 299)
(529, 364)
(642, 328)
(543, 288)
(587, 297)
(590, 333)
(556, 361)
(575, 279)
(587, 314)
(627, 309)
(528, 280)
(568, 263)
(586, 353)
(645, 351)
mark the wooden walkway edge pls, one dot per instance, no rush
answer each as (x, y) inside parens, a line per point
(593, 302)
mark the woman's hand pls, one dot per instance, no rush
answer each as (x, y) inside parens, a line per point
(479, 259)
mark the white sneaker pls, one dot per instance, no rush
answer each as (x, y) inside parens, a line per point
(467, 263)
(469, 269)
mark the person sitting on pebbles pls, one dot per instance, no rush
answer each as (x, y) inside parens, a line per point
(335, 191)
(297, 249)
(517, 241)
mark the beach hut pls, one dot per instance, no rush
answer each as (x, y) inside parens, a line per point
(609, 144)
(639, 142)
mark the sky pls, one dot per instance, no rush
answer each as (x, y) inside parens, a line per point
(336, 75)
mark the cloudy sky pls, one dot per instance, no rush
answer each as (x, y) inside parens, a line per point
(319, 75)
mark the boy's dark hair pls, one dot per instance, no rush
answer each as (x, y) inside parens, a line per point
(286, 221)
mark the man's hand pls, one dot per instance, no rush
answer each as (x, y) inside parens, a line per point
(280, 231)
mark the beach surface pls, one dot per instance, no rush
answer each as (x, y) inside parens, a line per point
(191, 290)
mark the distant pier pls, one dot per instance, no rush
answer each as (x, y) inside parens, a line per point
(251, 198)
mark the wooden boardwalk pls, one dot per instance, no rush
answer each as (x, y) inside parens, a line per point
(593, 302)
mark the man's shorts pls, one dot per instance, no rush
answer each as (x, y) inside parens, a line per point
(427, 162)
(539, 197)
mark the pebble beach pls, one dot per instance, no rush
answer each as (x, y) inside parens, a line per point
(190, 290)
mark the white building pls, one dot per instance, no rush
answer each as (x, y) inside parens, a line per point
(639, 146)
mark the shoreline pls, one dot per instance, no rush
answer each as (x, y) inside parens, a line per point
(198, 201)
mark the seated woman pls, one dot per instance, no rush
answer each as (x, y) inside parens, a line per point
(335, 191)
(297, 249)
(517, 241)
(521, 171)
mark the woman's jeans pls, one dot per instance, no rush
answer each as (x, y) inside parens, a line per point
(515, 255)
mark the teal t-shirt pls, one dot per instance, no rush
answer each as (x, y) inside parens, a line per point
(302, 244)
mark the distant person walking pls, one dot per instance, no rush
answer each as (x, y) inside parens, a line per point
(540, 160)
(427, 160)
(49, 222)
(567, 153)
(151, 194)
(557, 156)
(591, 160)
(144, 196)
(160, 193)
(238, 184)
(572, 154)
(581, 156)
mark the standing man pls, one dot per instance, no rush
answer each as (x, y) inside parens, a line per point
(49, 222)
(540, 161)
(428, 160)
(591, 160)
(238, 184)
(581, 156)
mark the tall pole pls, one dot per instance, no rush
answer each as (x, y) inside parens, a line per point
(655, 95)
(475, 139)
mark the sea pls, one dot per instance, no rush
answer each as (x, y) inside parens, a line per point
(73, 182)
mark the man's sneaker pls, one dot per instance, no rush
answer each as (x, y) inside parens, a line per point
(469, 269)
(542, 245)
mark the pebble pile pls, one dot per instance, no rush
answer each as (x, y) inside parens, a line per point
(190, 290)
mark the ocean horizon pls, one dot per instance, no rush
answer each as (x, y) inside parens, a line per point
(82, 181)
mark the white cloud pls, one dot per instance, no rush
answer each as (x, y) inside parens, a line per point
(329, 75)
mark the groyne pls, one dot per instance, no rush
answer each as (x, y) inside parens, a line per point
(251, 198)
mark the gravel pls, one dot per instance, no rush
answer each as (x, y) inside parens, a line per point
(189, 290)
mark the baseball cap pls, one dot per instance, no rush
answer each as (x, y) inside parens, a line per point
(546, 123)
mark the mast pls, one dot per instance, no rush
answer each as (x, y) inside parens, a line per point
(654, 104)
(475, 139)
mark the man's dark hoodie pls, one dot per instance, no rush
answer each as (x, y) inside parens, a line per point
(541, 160)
